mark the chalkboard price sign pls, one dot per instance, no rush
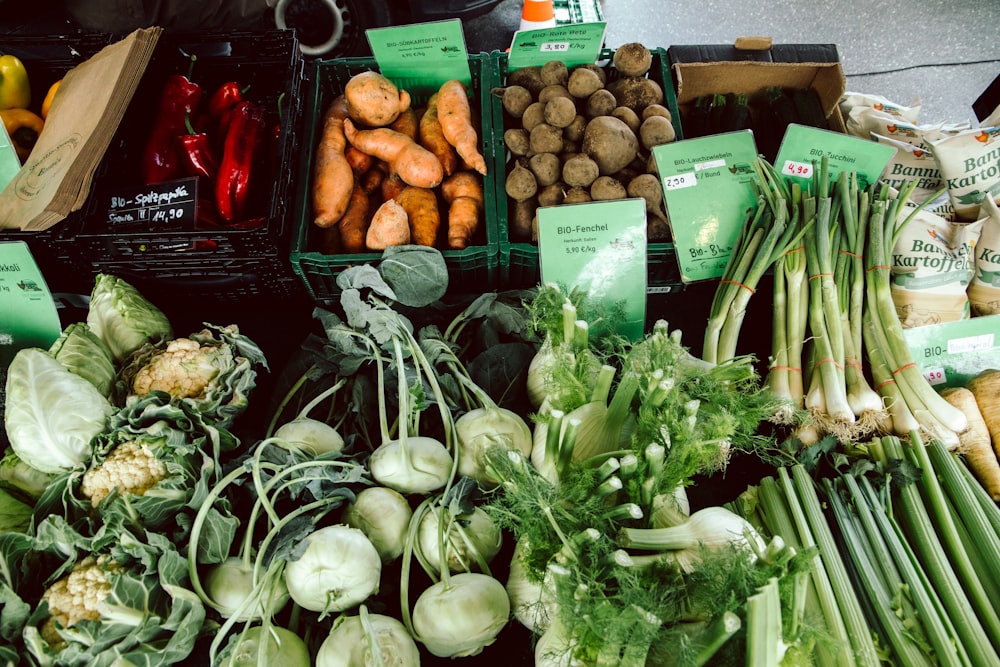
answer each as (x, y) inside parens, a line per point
(169, 204)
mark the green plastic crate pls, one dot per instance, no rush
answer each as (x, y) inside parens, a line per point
(578, 11)
(475, 268)
(519, 267)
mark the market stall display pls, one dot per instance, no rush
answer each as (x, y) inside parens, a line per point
(793, 463)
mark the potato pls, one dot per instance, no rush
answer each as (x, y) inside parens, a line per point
(574, 131)
(517, 140)
(577, 196)
(545, 138)
(519, 222)
(521, 183)
(516, 99)
(554, 72)
(533, 115)
(552, 195)
(374, 100)
(528, 77)
(605, 188)
(600, 103)
(656, 130)
(580, 171)
(583, 82)
(632, 59)
(656, 110)
(559, 111)
(551, 91)
(636, 93)
(627, 116)
(546, 167)
(610, 143)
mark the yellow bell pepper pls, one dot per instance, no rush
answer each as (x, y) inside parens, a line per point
(47, 102)
(23, 126)
(15, 90)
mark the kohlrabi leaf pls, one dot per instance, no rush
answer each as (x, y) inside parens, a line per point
(417, 274)
(51, 414)
(123, 318)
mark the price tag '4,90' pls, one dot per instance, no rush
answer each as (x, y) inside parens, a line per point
(800, 169)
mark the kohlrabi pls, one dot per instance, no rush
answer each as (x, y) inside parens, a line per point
(311, 434)
(334, 568)
(471, 540)
(266, 646)
(461, 615)
(233, 591)
(382, 514)
(368, 639)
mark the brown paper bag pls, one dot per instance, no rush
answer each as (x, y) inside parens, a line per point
(86, 113)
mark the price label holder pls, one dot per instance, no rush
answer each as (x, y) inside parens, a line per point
(574, 44)
(420, 57)
(30, 318)
(599, 247)
(170, 204)
(952, 353)
(708, 191)
(803, 147)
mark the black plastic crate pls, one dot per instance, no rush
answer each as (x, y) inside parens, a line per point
(474, 268)
(519, 265)
(271, 64)
(48, 59)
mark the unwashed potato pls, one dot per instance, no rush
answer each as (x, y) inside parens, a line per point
(610, 143)
(583, 82)
(656, 130)
(554, 72)
(632, 59)
(546, 167)
(580, 171)
(605, 188)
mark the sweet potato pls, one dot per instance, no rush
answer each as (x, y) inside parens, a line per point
(421, 208)
(455, 116)
(389, 227)
(371, 180)
(360, 162)
(431, 137)
(463, 192)
(354, 223)
(415, 164)
(391, 186)
(374, 100)
(408, 123)
(333, 178)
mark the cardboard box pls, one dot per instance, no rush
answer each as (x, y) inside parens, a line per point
(753, 64)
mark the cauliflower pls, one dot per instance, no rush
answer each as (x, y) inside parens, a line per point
(78, 596)
(184, 369)
(130, 468)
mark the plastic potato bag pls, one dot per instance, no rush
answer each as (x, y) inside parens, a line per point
(984, 290)
(932, 268)
(970, 164)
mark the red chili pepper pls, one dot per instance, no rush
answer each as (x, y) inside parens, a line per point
(197, 153)
(161, 158)
(243, 139)
(225, 97)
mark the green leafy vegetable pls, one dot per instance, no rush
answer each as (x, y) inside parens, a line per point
(123, 318)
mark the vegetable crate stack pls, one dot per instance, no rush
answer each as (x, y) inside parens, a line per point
(392, 164)
(602, 116)
(218, 113)
(45, 60)
(753, 84)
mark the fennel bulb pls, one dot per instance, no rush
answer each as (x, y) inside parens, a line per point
(482, 428)
(368, 639)
(467, 539)
(461, 615)
(337, 568)
(51, 413)
(382, 514)
(532, 603)
(280, 648)
(230, 585)
(417, 465)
